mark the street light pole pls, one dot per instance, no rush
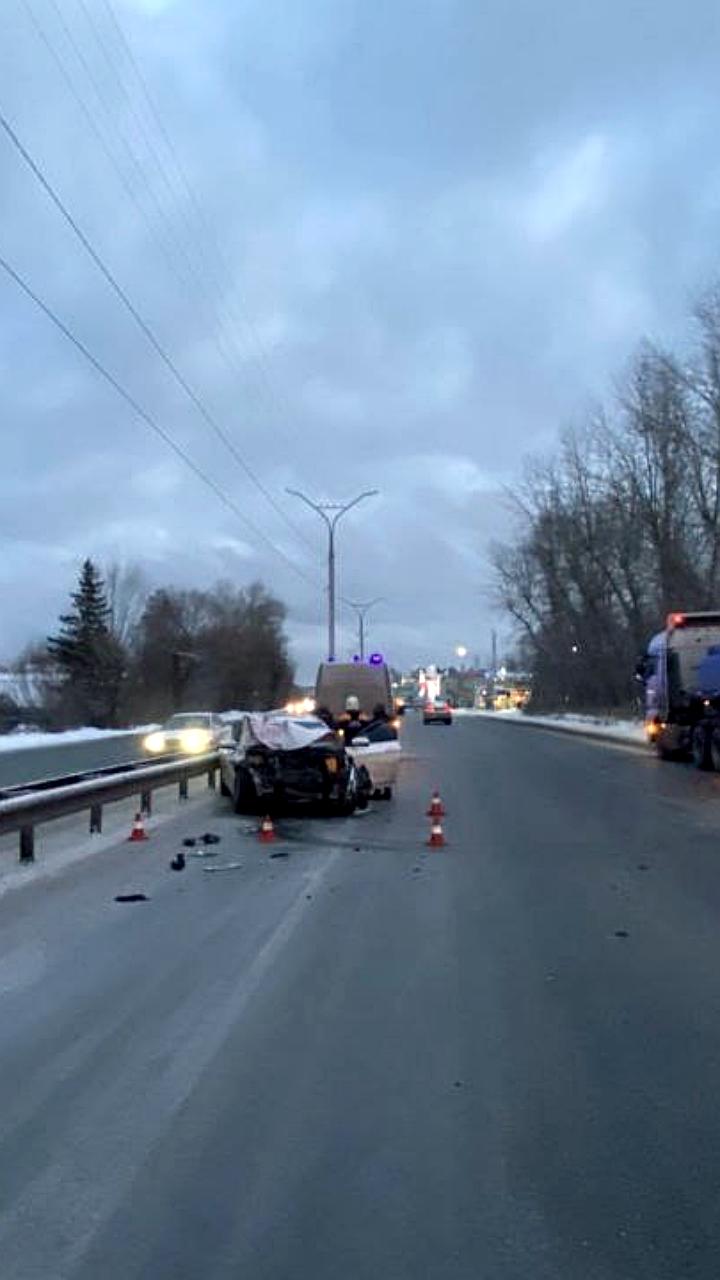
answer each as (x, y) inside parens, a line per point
(361, 610)
(331, 513)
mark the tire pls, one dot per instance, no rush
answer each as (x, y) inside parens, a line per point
(448, 720)
(224, 788)
(700, 747)
(244, 794)
(387, 793)
(715, 750)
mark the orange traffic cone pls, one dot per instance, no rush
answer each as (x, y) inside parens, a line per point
(266, 834)
(437, 808)
(437, 839)
(138, 831)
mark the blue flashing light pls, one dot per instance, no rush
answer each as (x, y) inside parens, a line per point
(376, 660)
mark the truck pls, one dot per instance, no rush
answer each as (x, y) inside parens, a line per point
(680, 674)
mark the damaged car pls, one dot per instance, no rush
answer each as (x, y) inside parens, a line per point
(277, 762)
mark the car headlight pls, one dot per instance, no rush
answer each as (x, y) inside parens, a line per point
(195, 740)
(154, 742)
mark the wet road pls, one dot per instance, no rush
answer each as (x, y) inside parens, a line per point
(369, 1059)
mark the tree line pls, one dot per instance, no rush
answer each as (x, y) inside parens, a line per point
(620, 526)
(123, 655)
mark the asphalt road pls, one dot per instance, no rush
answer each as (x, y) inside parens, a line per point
(374, 1061)
(31, 764)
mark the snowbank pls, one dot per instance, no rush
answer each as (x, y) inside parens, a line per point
(21, 741)
(628, 731)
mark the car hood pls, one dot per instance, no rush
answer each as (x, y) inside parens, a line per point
(280, 733)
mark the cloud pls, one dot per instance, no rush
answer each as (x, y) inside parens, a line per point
(428, 235)
(573, 185)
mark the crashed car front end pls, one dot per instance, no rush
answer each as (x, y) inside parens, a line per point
(287, 761)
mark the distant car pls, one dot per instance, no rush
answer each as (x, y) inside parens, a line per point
(437, 711)
(276, 761)
(188, 733)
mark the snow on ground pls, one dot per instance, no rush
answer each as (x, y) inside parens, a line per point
(589, 726)
(19, 741)
(66, 841)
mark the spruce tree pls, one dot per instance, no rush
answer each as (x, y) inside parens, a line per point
(88, 655)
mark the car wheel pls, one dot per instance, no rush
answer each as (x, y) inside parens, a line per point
(387, 793)
(244, 794)
(448, 720)
(224, 788)
(715, 750)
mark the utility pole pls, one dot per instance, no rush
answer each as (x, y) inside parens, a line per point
(362, 609)
(331, 513)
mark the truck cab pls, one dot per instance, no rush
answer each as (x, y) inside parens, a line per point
(680, 673)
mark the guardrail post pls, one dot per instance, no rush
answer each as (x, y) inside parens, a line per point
(211, 778)
(27, 844)
(146, 802)
(95, 819)
(183, 788)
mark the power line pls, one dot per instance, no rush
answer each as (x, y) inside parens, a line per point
(186, 188)
(117, 288)
(147, 418)
(91, 121)
(133, 159)
(172, 152)
(225, 338)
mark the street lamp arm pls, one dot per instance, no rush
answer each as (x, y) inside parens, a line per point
(369, 493)
(314, 506)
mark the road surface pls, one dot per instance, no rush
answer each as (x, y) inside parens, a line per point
(30, 764)
(373, 1061)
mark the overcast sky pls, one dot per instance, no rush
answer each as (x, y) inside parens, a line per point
(413, 238)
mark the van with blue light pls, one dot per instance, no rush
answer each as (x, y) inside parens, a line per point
(367, 680)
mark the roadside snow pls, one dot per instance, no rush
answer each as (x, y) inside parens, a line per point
(597, 726)
(20, 741)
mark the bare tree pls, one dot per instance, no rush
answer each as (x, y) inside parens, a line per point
(127, 591)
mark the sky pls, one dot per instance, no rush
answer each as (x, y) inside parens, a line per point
(388, 245)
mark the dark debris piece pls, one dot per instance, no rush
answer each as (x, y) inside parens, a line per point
(209, 838)
(621, 933)
(178, 862)
(190, 842)
(643, 866)
(131, 897)
(279, 853)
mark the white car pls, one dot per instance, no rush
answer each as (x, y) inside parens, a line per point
(188, 733)
(380, 751)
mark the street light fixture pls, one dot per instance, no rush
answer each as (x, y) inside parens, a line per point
(331, 513)
(362, 609)
(461, 651)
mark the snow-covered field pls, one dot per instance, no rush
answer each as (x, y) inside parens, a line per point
(19, 741)
(628, 731)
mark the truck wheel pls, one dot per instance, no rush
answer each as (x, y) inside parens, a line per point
(244, 793)
(224, 788)
(387, 793)
(700, 747)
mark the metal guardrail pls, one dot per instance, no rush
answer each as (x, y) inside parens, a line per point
(36, 785)
(32, 805)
